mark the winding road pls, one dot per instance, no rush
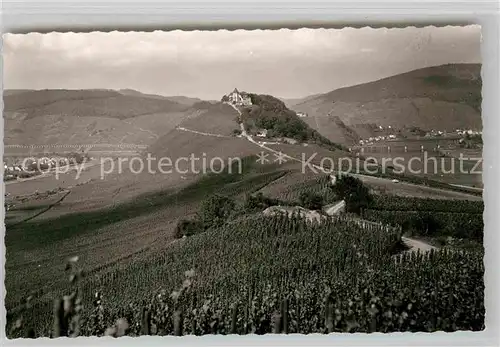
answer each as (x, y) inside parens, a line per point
(200, 132)
(336, 208)
(416, 245)
(261, 145)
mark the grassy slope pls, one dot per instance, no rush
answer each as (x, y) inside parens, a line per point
(105, 117)
(217, 118)
(122, 185)
(98, 103)
(183, 100)
(84, 117)
(101, 236)
(334, 129)
(405, 189)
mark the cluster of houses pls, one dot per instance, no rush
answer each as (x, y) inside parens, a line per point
(262, 133)
(11, 172)
(468, 132)
(237, 98)
(430, 134)
(434, 133)
(371, 140)
(12, 168)
(461, 132)
(29, 166)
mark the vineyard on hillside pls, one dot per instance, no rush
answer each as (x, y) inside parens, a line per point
(429, 217)
(261, 274)
(292, 186)
(397, 203)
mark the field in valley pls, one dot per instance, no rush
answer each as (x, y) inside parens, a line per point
(424, 158)
(387, 186)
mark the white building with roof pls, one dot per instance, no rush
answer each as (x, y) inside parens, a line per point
(262, 133)
(239, 98)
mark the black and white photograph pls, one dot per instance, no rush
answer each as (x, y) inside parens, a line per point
(243, 182)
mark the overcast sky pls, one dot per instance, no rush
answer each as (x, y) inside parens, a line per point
(208, 64)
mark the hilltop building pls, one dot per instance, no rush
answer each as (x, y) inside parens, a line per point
(237, 98)
(262, 133)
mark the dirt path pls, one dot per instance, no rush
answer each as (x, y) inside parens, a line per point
(468, 187)
(200, 132)
(415, 245)
(261, 145)
(141, 129)
(333, 209)
(412, 244)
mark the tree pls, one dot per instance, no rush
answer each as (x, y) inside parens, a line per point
(259, 202)
(426, 223)
(186, 227)
(352, 190)
(311, 201)
(216, 210)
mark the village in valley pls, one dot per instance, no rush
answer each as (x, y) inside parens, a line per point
(19, 167)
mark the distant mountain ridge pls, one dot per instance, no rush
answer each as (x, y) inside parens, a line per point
(82, 117)
(184, 100)
(15, 99)
(443, 97)
(290, 102)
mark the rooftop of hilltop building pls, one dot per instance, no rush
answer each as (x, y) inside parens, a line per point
(237, 98)
(236, 91)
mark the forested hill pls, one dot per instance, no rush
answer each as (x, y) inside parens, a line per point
(443, 97)
(270, 113)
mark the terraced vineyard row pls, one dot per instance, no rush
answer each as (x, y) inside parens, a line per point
(390, 202)
(291, 187)
(460, 225)
(334, 276)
